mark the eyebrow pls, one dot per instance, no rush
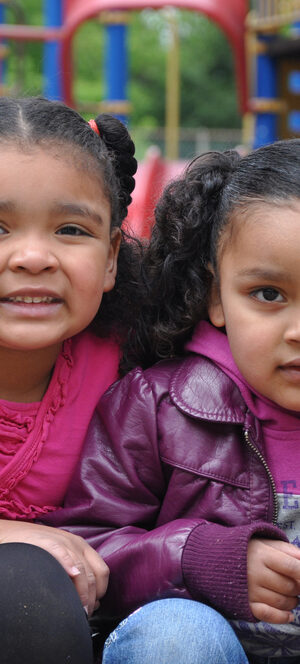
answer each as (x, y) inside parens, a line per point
(62, 209)
(266, 274)
(85, 211)
(6, 206)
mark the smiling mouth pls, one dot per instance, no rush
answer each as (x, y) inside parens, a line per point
(26, 299)
(31, 300)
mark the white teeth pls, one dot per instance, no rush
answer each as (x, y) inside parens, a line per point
(30, 300)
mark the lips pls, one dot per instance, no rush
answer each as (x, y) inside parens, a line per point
(291, 371)
(293, 364)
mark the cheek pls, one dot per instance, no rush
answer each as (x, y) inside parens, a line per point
(243, 343)
(90, 290)
(253, 353)
(89, 273)
(87, 300)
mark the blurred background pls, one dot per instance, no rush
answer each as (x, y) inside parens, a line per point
(186, 76)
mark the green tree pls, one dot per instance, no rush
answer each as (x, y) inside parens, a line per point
(208, 92)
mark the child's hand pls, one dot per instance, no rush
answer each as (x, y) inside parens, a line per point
(85, 567)
(273, 579)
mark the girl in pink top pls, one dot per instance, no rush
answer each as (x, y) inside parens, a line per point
(65, 185)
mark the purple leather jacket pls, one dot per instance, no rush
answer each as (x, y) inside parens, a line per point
(171, 485)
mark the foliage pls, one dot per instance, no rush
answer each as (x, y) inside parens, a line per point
(208, 94)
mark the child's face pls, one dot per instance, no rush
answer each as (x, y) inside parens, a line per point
(57, 256)
(259, 300)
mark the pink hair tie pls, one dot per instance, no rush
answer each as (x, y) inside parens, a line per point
(94, 127)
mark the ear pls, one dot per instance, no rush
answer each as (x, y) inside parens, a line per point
(112, 260)
(215, 308)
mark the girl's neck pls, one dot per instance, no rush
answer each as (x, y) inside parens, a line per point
(25, 376)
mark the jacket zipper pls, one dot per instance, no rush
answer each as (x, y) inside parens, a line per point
(270, 476)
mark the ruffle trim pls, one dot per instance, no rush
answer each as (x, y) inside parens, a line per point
(15, 510)
(59, 395)
(54, 399)
(17, 420)
(15, 426)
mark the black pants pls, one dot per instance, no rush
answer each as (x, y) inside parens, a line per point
(41, 619)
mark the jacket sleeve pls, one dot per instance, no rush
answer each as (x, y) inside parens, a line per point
(114, 502)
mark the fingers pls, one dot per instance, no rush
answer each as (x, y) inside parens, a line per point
(85, 584)
(273, 580)
(63, 555)
(266, 580)
(84, 566)
(100, 571)
(276, 600)
(91, 583)
(274, 565)
(270, 614)
(284, 563)
(87, 570)
(92, 579)
(70, 553)
(285, 547)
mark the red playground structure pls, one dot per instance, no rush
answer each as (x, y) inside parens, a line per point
(229, 15)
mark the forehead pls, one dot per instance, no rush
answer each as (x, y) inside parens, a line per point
(262, 231)
(56, 166)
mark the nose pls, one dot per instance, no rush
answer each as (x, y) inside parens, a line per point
(34, 256)
(292, 331)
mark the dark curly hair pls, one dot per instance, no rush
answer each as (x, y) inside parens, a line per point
(195, 219)
(38, 121)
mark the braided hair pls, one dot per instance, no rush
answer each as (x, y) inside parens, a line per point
(195, 218)
(35, 121)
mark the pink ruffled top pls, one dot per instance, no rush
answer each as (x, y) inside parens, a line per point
(40, 443)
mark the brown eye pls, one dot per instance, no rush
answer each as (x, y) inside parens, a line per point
(75, 231)
(267, 295)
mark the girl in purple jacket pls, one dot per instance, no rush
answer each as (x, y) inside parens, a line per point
(190, 482)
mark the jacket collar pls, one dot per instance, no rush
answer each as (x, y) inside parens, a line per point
(200, 389)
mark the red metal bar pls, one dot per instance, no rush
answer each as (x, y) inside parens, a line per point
(30, 33)
(67, 70)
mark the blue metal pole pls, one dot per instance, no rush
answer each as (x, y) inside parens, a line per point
(266, 88)
(53, 17)
(116, 69)
(294, 85)
(3, 65)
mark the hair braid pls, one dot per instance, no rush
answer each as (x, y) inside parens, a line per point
(119, 144)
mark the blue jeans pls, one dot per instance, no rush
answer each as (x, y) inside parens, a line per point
(174, 631)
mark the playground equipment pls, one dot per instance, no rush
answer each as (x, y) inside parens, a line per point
(63, 18)
(265, 44)
(272, 30)
(273, 56)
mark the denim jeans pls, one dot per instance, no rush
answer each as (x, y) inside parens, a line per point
(174, 631)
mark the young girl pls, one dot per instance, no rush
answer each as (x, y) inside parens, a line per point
(194, 463)
(65, 185)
